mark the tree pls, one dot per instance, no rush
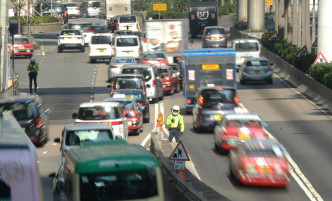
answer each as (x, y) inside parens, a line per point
(18, 6)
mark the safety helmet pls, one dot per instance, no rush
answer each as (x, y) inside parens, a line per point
(175, 109)
(33, 59)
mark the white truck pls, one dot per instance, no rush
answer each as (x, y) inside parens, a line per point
(117, 7)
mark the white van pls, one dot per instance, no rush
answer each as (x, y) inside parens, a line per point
(245, 49)
(19, 175)
(127, 45)
(127, 22)
(101, 47)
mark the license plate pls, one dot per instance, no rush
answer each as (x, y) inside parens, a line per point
(244, 58)
(244, 136)
(127, 52)
(95, 8)
(214, 38)
(210, 66)
(101, 50)
(257, 71)
(264, 169)
(217, 117)
(71, 9)
(21, 47)
(69, 38)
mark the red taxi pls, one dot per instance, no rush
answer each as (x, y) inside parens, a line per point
(132, 112)
(154, 58)
(171, 83)
(237, 127)
(22, 46)
(259, 163)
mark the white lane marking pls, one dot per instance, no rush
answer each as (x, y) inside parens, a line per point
(146, 140)
(156, 109)
(45, 152)
(54, 144)
(189, 164)
(299, 93)
(42, 48)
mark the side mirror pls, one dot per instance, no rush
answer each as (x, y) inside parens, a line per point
(74, 115)
(148, 86)
(57, 140)
(118, 137)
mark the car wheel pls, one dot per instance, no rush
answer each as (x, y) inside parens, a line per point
(83, 48)
(92, 60)
(59, 49)
(146, 120)
(270, 81)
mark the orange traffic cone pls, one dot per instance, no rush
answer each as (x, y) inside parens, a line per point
(183, 174)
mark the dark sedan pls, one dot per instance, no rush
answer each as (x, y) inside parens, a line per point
(140, 98)
(30, 114)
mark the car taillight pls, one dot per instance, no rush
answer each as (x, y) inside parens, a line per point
(90, 30)
(79, 37)
(221, 37)
(39, 123)
(154, 82)
(218, 88)
(88, 5)
(207, 37)
(244, 69)
(260, 55)
(188, 101)
(61, 38)
(113, 66)
(142, 104)
(236, 100)
(115, 51)
(139, 50)
(200, 100)
(116, 122)
(137, 25)
(144, 40)
(270, 68)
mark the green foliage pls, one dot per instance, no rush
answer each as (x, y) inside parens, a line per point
(304, 63)
(170, 14)
(328, 79)
(319, 71)
(226, 9)
(35, 20)
(241, 25)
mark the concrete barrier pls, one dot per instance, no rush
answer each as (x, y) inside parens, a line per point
(176, 189)
(44, 28)
(304, 83)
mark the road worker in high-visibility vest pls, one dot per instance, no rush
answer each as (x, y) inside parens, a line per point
(175, 123)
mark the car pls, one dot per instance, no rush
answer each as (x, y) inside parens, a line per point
(116, 64)
(132, 112)
(236, 127)
(245, 49)
(155, 58)
(56, 8)
(127, 22)
(140, 98)
(22, 47)
(259, 163)
(73, 10)
(103, 113)
(71, 39)
(31, 115)
(85, 28)
(127, 81)
(99, 29)
(154, 86)
(210, 104)
(90, 9)
(177, 70)
(214, 37)
(127, 45)
(101, 47)
(256, 69)
(74, 134)
(39, 8)
(170, 81)
(112, 23)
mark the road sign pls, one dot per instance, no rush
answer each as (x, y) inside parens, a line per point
(268, 2)
(272, 36)
(179, 153)
(179, 165)
(319, 59)
(302, 52)
(315, 43)
(160, 7)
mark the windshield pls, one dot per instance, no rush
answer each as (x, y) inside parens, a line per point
(243, 122)
(213, 97)
(21, 111)
(257, 63)
(83, 27)
(127, 105)
(128, 83)
(163, 72)
(214, 31)
(138, 71)
(246, 47)
(124, 185)
(21, 40)
(70, 33)
(98, 113)
(127, 19)
(157, 56)
(100, 40)
(95, 4)
(71, 5)
(124, 42)
(76, 137)
(137, 95)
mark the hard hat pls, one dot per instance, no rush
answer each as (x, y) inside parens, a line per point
(33, 59)
(175, 109)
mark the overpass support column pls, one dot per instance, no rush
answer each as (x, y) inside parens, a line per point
(242, 9)
(324, 41)
(256, 15)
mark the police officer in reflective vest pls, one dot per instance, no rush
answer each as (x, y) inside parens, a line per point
(33, 69)
(175, 123)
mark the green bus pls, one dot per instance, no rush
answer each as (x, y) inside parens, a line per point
(112, 170)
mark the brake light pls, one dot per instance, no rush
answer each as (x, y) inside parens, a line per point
(188, 101)
(139, 50)
(61, 38)
(39, 123)
(97, 106)
(200, 100)
(88, 5)
(113, 67)
(207, 37)
(236, 100)
(154, 82)
(142, 104)
(221, 37)
(270, 68)
(144, 40)
(90, 30)
(218, 88)
(115, 51)
(260, 55)
(116, 122)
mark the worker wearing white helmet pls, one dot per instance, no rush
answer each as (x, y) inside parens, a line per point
(33, 69)
(175, 123)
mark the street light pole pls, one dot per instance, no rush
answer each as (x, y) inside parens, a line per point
(29, 21)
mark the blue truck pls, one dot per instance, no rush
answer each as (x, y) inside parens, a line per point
(207, 68)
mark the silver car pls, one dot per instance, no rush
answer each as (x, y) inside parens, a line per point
(214, 37)
(256, 69)
(116, 64)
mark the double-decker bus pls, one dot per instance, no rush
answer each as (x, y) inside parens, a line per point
(105, 171)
